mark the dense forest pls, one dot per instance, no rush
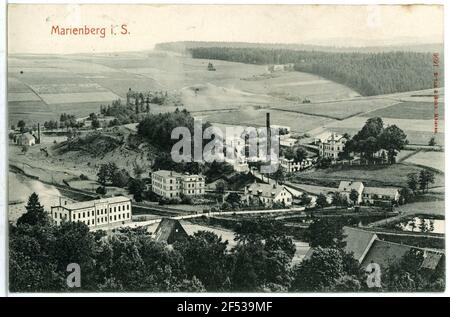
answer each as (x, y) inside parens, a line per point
(367, 73)
(185, 46)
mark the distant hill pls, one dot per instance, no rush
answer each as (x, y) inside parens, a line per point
(368, 73)
(185, 46)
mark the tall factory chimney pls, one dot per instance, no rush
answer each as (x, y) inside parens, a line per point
(269, 133)
(39, 134)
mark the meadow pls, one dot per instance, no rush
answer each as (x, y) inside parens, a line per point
(41, 87)
(392, 175)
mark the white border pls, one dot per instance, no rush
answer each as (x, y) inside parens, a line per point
(4, 157)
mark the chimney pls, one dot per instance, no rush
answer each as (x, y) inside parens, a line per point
(39, 134)
(269, 133)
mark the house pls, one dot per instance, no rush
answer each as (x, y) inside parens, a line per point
(26, 139)
(331, 145)
(346, 187)
(268, 194)
(367, 248)
(94, 213)
(170, 184)
(290, 166)
(169, 231)
(380, 195)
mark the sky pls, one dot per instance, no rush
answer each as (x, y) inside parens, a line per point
(30, 25)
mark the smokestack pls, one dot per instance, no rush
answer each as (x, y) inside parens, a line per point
(269, 133)
(39, 134)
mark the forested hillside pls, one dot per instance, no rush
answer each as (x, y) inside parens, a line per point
(367, 73)
(185, 46)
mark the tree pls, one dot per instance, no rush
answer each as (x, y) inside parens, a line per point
(339, 200)
(320, 272)
(326, 233)
(137, 187)
(406, 195)
(95, 123)
(321, 201)
(234, 199)
(305, 199)
(35, 214)
(280, 175)
(21, 125)
(354, 196)
(426, 178)
(103, 174)
(221, 187)
(392, 139)
(206, 258)
(120, 178)
(101, 190)
(412, 181)
(432, 141)
(300, 154)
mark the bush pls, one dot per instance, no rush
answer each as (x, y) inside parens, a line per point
(100, 190)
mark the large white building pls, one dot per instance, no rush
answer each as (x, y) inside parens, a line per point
(170, 184)
(94, 213)
(331, 145)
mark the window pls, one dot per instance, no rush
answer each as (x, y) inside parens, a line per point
(115, 218)
(84, 215)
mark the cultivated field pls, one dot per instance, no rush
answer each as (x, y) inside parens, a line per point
(42, 87)
(431, 159)
(393, 175)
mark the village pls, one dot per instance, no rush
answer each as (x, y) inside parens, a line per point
(186, 203)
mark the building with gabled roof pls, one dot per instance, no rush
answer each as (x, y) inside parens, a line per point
(346, 187)
(169, 231)
(268, 194)
(367, 248)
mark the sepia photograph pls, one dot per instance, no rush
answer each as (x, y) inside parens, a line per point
(232, 148)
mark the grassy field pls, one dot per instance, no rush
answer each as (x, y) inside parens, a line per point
(431, 159)
(410, 110)
(339, 109)
(41, 87)
(257, 117)
(392, 175)
(100, 78)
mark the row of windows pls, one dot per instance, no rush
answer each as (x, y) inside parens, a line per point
(90, 222)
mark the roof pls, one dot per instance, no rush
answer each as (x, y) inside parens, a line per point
(166, 173)
(328, 136)
(165, 229)
(347, 186)
(92, 203)
(266, 190)
(358, 242)
(385, 191)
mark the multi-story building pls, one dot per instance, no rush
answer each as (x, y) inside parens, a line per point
(94, 213)
(331, 146)
(170, 184)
